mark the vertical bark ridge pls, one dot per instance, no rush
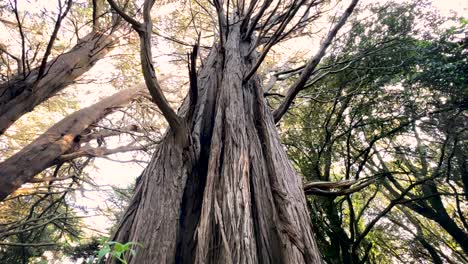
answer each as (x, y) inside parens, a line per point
(202, 128)
(237, 199)
(160, 196)
(167, 229)
(226, 213)
(230, 231)
(288, 195)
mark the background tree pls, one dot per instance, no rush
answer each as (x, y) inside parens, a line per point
(373, 113)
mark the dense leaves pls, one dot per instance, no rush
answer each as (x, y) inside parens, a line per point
(396, 117)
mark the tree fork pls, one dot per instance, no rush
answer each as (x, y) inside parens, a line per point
(232, 195)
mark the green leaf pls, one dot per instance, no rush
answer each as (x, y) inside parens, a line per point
(104, 250)
(116, 254)
(131, 243)
(464, 21)
(91, 260)
(118, 247)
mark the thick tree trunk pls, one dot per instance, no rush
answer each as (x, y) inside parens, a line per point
(232, 195)
(20, 95)
(60, 139)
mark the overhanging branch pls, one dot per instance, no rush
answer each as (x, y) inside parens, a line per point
(58, 140)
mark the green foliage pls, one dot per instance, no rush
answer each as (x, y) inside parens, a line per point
(463, 21)
(84, 250)
(350, 123)
(115, 250)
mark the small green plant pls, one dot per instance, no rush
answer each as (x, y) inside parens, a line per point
(114, 249)
(464, 21)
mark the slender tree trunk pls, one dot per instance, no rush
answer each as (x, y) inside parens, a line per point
(60, 139)
(441, 216)
(20, 95)
(232, 195)
(462, 160)
(430, 249)
(435, 210)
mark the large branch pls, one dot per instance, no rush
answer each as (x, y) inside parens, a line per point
(53, 37)
(19, 96)
(60, 139)
(329, 185)
(144, 31)
(101, 152)
(299, 84)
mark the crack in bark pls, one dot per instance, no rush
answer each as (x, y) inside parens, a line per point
(224, 201)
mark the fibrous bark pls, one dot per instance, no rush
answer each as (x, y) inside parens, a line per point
(58, 140)
(20, 95)
(231, 194)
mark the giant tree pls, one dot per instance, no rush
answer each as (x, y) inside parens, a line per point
(220, 187)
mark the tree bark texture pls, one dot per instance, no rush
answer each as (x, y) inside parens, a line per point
(60, 139)
(231, 195)
(20, 95)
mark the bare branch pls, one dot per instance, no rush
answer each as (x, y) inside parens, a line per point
(329, 185)
(298, 85)
(104, 133)
(101, 152)
(18, 60)
(23, 38)
(323, 188)
(271, 42)
(53, 37)
(136, 25)
(144, 31)
(255, 20)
